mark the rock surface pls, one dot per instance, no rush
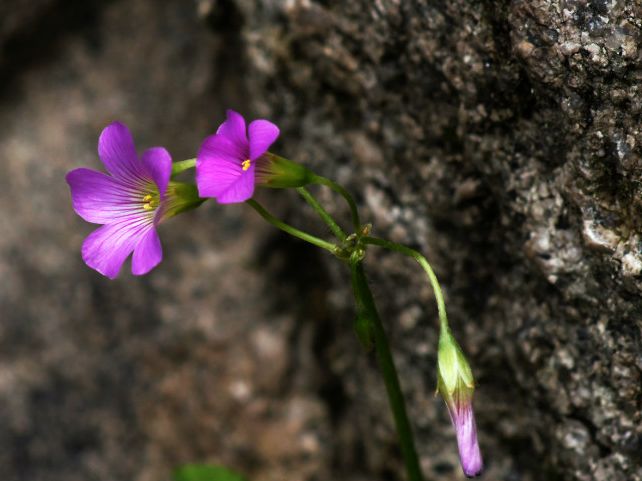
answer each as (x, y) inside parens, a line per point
(501, 138)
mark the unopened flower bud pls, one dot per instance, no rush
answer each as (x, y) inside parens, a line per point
(456, 386)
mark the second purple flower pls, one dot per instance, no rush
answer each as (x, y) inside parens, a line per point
(227, 161)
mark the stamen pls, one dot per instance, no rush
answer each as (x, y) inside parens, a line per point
(246, 164)
(150, 202)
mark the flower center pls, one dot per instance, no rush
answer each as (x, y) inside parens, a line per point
(246, 164)
(150, 202)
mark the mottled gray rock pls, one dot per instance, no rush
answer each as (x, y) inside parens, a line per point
(17, 16)
(503, 139)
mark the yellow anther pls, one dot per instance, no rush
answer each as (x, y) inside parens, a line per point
(148, 206)
(246, 164)
(147, 198)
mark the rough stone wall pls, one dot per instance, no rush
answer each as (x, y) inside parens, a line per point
(499, 137)
(503, 139)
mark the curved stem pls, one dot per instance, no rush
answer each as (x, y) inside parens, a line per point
(182, 165)
(318, 208)
(423, 262)
(317, 179)
(367, 308)
(293, 231)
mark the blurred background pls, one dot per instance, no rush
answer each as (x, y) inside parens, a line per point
(500, 138)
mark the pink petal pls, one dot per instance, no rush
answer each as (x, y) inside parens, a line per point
(101, 199)
(117, 151)
(218, 165)
(463, 418)
(240, 190)
(147, 253)
(106, 248)
(262, 134)
(234, 128)
(158, 164)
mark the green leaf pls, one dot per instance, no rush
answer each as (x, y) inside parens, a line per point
(203, 472)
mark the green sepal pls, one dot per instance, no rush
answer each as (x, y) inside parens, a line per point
(180, 197)
(364, 330)
(454, 369)
(464, 370)
(280, 173)
(447, 362)
(203, 472)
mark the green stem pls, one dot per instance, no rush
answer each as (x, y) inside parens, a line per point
(367, 308)
(423, 262)
(293, 231)
(317, 179)
(182, 165)
(318, 208)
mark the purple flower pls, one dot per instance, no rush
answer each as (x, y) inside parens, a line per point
(130, 203)
(455, 384)
(227, 161)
